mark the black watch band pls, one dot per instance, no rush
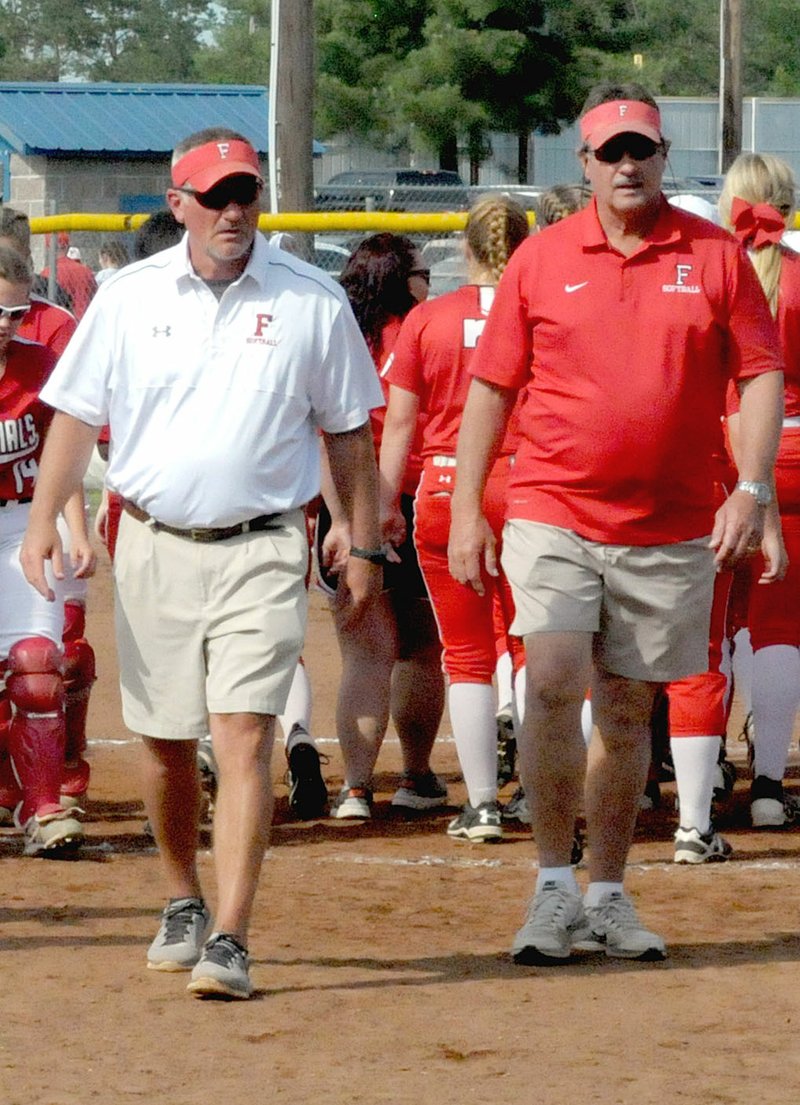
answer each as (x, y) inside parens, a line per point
(374, 556)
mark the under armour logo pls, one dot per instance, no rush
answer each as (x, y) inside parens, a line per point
(445, 479)
(622, 109)
(166, 331)
(223, 148)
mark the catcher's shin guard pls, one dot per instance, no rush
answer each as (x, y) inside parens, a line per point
(79, 675)
(37, 733)
(10, 793)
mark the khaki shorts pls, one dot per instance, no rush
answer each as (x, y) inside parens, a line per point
(649, 607)
(207, 628)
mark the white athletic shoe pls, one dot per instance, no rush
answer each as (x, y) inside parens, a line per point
(616, 930)
(692, 846)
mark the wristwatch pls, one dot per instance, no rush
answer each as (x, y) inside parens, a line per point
(761, 492)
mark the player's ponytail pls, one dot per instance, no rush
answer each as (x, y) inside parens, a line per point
(496, 225)
(760, 180)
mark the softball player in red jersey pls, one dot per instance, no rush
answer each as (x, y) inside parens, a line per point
(757, 203)
(428, 379)
(32, 717)
(698, 715)
(391, 659)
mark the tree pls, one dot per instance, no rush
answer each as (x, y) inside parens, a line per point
(122, 40)
(238, 52)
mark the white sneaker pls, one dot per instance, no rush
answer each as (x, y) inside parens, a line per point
(616, 930)
(53, 834)
(692, 846)
(555, 922)
(353, 802)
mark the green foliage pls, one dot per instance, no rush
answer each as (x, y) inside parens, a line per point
(122, 40)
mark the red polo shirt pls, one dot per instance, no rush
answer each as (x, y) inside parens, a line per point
(624, 361)
(48, 324)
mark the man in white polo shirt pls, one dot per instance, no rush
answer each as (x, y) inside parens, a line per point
(216, 364)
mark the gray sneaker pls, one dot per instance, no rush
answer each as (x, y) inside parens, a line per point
(555, 921)
(420, 792)
(692, 846)
(516, 808)
(479, 824)
(222, 971)
(617, 930)
(181, 934)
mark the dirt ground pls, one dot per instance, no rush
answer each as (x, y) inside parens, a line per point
(380, 955)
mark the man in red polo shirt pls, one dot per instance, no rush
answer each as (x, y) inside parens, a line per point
(623, 323)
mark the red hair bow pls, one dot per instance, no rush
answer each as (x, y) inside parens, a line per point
(757, 224)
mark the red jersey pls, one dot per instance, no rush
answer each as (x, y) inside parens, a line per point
(624, 363)
(24, 419)
(382, 357)
(431, 357)
(48, 324)
(77, 280)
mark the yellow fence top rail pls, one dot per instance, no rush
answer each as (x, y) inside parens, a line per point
(309, 221)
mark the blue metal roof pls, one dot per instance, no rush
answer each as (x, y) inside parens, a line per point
(127, 120)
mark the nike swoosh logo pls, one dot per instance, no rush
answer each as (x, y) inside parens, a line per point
(574, 287)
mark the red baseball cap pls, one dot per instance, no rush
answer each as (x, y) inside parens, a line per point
(206, 165)
(620, 117)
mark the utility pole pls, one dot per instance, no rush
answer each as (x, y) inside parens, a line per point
(292, 103)
(730, 82)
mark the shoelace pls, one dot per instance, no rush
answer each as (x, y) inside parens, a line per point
(550, 905)
(618, 913)
(224, 950)
(178, 923)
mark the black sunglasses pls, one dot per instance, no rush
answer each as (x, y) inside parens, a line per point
(424, 273)
(635, 146)
(242, 191)
(15, 313)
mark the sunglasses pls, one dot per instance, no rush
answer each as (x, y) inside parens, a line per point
(424, 273)
(635, 146)
(16, 314)
(242, 191)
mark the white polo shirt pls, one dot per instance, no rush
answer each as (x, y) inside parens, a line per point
(214, 406)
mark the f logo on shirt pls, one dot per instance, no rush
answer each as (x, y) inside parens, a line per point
(262, 322)
(681, 272)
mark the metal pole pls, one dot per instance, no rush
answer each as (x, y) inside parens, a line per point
(272, 121)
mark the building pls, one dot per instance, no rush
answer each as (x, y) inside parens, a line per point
(106, 147)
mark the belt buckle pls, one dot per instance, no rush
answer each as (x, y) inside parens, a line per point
(200, 535)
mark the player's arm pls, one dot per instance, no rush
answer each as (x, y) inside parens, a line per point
(81, 553)
(739, 522)
(335, 548)
(483, 423)
(351, 457)
(398, 436)
(65, 458)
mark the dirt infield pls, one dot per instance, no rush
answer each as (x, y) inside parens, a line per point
(380, 957)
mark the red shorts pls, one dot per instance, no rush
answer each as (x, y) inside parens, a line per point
(466, 620)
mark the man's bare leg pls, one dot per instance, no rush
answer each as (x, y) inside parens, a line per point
(552, 753)
(242, 814)
(172, 801)
(619, 756)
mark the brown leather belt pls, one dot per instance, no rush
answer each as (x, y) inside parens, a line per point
(219, 533)
(15, 502)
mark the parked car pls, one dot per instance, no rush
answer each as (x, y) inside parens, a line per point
(393, 190)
